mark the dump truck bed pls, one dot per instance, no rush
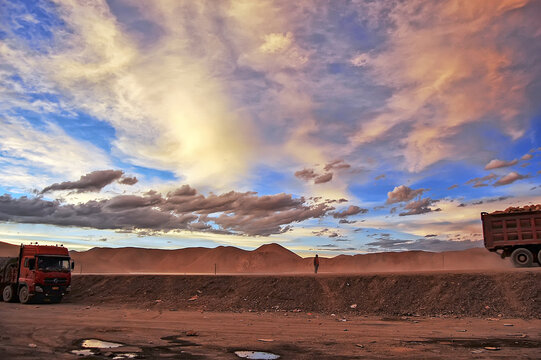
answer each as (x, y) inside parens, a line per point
(502, 230)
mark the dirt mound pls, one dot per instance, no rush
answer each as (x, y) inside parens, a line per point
(507, 294)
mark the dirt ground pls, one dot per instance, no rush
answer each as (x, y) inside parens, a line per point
(372, 316)
(53, 331)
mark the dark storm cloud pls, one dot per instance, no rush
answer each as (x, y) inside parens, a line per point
(420, 206)
(402, 193)
(350, 211)
(94, 181)
(182, 209)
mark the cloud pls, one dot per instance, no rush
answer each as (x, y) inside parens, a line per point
(345, 221)
(418, 207)
(430, 244)
(323, 178)
(181, 209)
(32, 156)
(449, 65)
(452, 187)
(128, 180)
(526, 157)
(402, 193)
(379, 177)
(350, 211)
(306, 174)
(482, 181)
(510, 178)
(94, 181)
(496, 164)
(336, 165)
(276, 42)
(360, 60)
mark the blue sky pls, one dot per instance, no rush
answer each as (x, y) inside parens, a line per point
(348, 127)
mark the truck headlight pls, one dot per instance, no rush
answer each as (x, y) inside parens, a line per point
(38, 289)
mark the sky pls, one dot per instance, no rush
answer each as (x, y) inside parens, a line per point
(329, 127)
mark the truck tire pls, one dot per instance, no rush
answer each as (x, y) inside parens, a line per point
(522, 257)
(24, 295)
(8, 294)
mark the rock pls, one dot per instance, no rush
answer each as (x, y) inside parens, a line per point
(360, 345)
(353, 306)
(193, 298)
(191, 333)
(32, 345)
(492, 348)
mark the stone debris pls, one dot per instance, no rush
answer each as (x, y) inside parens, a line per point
(518, 209)
(193, 298)
(353, 306)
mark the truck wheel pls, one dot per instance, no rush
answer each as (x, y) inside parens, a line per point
(522, 257)
(8, 295)
(24, 295)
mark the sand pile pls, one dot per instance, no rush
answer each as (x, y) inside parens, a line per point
(275, 259)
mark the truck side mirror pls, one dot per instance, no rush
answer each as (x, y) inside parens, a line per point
(72, 265)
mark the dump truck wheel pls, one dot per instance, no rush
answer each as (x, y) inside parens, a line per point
(8, 295)
(24, 295)
(522, 257)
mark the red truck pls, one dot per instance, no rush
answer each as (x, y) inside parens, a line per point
(516, 233)
(40, 272)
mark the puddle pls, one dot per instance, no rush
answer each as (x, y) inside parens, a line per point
(125, 356)
(257, 355)
(99, 344)
(85, 352)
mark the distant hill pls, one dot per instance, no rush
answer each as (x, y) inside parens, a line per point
(269, 258)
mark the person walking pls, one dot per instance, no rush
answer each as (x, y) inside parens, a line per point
(316, 264)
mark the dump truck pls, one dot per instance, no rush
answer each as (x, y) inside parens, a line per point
(39, 273)
(516, 233)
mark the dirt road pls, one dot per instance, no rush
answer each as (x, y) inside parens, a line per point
(54, 331)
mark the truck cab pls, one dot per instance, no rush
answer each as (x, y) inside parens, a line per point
(40, 272)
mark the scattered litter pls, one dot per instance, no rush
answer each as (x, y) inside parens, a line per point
(492, 348)
(353, 306)
(158, 301)
(463, 330)
(333, 314)
(125, 356)
(265, 340)
(508, 325)
(345, 329)
(487, 307)
(85, 352)
(256, 355)
(199, 292)
(32, 345)
(415, 321)
(477, 351)
(173, 309)
(518, 335)
(191, 333)
(297, 310)
(360, 345)
(309, 314)
(344, 320)
(193, 298)
(99, 344)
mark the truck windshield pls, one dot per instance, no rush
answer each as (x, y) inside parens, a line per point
(53, 263)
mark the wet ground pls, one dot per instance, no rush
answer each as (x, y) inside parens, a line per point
(74, 331)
